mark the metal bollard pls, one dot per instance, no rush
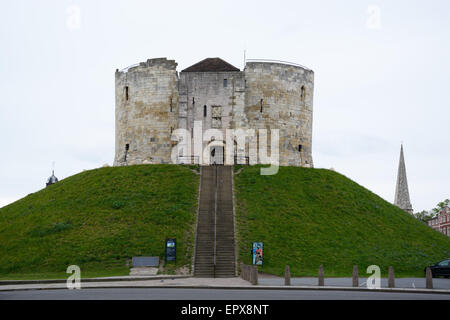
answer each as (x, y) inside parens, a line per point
(429, 278)
(391, 278)
(355, 280)
(287, 276)
(321, 276)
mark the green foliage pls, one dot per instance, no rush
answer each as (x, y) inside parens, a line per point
(118, 204)
(440, 206)
(99, 219)
(424, 215)
(41, 231)
(308, 217)
(194, 167)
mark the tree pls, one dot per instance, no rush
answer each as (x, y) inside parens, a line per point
(440, 206)
(424, 215)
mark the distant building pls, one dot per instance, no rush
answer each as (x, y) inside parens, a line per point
(441, 223)
(52, 179)
(401, 190)
(434, 223)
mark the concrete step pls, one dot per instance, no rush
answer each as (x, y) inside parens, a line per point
(224, 228)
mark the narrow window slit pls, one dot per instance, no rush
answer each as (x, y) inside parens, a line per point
(127, 147)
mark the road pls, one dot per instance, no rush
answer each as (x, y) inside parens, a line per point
(415, 283)
(211, 294)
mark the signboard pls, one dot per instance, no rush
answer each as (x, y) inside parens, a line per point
(145, 261)
(171, 249)
(257, 253)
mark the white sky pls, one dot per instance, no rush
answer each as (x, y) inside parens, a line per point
(377, 81)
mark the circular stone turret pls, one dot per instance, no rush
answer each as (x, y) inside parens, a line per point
(146, 112)
(279, 95)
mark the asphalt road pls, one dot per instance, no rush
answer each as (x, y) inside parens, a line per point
(211, 294)
(415, 283)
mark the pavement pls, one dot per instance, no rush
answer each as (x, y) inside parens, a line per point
(99, 279)
(403, 285)
(135, 282)
(413, 283)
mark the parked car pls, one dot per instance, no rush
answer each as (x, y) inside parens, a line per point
(440, 269)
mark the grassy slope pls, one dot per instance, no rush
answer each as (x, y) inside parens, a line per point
(307, 217)
(99, 219)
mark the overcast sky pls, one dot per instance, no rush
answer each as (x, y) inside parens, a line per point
(382, 76)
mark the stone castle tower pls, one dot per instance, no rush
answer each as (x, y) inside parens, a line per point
(154, 101)
(401, 190)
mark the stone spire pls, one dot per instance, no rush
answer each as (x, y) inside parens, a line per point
(401, 190)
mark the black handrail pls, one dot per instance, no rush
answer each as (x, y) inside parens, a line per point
(242, 160)
(276, 61)
(191, 159)
(215, 221)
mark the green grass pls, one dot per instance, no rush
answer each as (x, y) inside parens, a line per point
(99, 220)
(308, 217)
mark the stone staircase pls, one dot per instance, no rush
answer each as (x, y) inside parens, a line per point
(215, 224)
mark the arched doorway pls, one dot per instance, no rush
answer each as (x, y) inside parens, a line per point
(214, 152)
(217, 155)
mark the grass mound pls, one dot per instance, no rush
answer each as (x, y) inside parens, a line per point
(99, 219)
(308, 217)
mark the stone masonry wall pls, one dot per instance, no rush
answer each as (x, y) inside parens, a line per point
(160, 102)
(285, 106)
(200, 89)
(146, 119)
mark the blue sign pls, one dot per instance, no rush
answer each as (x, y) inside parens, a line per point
(257, 253)
(171, 249)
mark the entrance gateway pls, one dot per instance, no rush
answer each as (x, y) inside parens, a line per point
(217, 155)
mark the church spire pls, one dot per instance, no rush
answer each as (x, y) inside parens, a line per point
(401, 191)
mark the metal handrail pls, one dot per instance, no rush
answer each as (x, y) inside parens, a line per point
(192, 159)
(129, 67)
(215, 222)
(245, 158)
(277, 61)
